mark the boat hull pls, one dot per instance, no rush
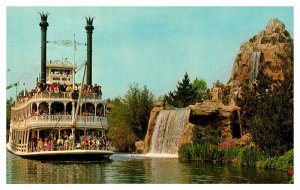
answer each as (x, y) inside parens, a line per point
(64, 155)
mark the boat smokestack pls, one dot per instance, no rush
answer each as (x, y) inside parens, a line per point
(89, 32)
(43, 24)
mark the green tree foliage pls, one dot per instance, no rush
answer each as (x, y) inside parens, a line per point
(184, 95)
(123, 137)
(9, 104)
(199, 85)
(206, 135)
(268, 113)
(219, 84)
(128, 118)
(139, 103)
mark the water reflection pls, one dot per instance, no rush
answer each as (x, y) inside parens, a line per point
(126, 168)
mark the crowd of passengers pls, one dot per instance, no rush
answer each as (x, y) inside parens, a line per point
(69, 142)
(58, 88)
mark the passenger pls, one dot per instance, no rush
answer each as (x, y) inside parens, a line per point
(71, 142)
(56, 90)
(44, 86)
(45, 144)
(86, 142)
(95, 88)
(51, 135)
(49, 145)
(52, 86)
(79, 87)
(82, 146)
(55, 144)
(66, 143)
(97, 143)
(40, 145)
(76, 88)
(60, 143)
(64, 135)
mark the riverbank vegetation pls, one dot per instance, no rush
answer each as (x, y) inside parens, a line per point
(9, 104)
(267, 119)
(267, 112)
(128, 118)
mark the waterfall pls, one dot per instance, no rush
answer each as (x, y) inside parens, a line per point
(168, 129)
(255, 59)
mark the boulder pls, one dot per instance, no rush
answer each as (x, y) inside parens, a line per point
(187, 135)
(139, 147)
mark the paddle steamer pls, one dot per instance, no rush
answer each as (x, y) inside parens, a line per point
(60, 119)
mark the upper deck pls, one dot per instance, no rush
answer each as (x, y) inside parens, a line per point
(60, 71)
(55, 97)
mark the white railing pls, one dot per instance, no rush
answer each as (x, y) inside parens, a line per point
(61, 119)
(53, 95)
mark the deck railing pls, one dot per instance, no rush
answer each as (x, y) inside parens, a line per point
(18, 147)
(61, 119)
(69, 145)
(52, 95)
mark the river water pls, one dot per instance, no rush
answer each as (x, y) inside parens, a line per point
(132, 169)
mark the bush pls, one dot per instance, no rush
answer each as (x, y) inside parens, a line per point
(267, 112)
(200, 152)
(123, 138)
(250, 155)
(284, 162)
(128, 118)
(230, 154)
(206, 135)
(185, 152)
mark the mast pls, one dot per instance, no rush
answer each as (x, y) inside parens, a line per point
(78, 101)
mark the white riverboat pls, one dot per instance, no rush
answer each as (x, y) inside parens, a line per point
(60, 119)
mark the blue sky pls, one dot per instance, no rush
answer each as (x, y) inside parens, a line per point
(152, 46)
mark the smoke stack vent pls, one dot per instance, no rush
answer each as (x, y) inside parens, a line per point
(43, 24)
(89, 31)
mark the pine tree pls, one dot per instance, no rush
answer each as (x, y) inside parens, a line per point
(184, 95)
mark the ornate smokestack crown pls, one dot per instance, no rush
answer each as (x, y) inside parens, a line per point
(89, 24)
(89, 20)
(44, 16)
(44, 23)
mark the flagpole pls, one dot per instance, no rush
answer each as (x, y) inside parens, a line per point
(74, 64)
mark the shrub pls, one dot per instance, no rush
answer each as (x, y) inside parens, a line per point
(206, 135)
(185, 152)
(250, 155)
(230, 153)
(267, 112)
(284, 162)
(200, 152)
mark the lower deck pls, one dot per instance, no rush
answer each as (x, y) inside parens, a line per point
(56, 139)
(76, 154)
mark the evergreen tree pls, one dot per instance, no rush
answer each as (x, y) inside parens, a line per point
(184, 95)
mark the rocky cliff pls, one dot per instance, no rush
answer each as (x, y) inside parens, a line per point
(216, 115)
(276, 47)
(151, 123)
